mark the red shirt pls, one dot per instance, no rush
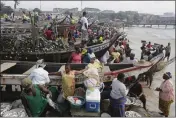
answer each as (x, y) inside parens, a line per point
(76, 58)
(149, 46)
(48, 34)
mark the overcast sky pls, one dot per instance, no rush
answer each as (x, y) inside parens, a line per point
(154, 7)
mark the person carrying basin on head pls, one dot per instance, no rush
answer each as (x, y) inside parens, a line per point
(39, 76)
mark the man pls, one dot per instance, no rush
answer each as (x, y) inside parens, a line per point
(132, 59)
(84, 28)
(32, 99)
(39, 75)
(167, 51)
(117, 97)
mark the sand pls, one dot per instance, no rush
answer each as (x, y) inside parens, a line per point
(155, 35)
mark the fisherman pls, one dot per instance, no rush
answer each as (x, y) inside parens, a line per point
(25, 19)
(49, 34)
(149, 46)
(131, 59)
(84, 28)
(94, 62)
(117, 96)
(32, 99)
(167, 51)
(137, 90)
(127, 50)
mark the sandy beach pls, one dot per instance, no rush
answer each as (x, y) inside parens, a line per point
(160, 36)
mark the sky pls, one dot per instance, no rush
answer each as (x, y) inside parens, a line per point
(153, 7)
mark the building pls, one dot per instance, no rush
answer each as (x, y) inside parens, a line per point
(108, 11)
(167, 18)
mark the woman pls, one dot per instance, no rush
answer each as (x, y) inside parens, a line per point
(117, 97)
(76, 56)
(166, 94)
(68, 80)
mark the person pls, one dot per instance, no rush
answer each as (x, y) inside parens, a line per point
(93, 78)
(115, 55)
(25, 18)
(85, 56)
(149, 45)
(68, 80)
(127, 50)
(48, 33)
(131, 59)
(32, 99)
(76, 56)
(167, 51)
(39, 75)
(84, 28)
(117, 96)
(166, 94)
(137, 90)
(95, 63)
(161, 48)
(105, 57)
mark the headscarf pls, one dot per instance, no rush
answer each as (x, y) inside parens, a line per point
(26, 83)
(84, 51)
(168, 74)
(90, 50)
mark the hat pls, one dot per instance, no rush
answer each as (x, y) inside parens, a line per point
(168, 74)
(40, 63)
(26, 83)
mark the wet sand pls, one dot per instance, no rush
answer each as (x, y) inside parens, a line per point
(160, 36)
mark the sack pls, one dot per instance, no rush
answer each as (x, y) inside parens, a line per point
(60, 98)
(17, 104)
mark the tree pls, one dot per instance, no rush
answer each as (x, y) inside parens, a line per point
(5, 9)
(37, 10)
(16, 3)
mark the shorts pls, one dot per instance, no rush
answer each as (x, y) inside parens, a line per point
(167, 54)
(84, 35)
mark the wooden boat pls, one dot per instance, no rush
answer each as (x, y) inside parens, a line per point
(59, 56)
(13, 71)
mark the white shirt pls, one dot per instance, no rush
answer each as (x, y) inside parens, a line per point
(105, 57)
(83, 21)
(118, 90)
(39, 76)
(127, 60)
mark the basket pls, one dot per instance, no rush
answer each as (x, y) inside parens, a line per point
(76, 106)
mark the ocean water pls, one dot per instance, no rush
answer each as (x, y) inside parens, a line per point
(160, 36)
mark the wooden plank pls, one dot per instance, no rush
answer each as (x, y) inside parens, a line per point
(6, 66)
(83, 113)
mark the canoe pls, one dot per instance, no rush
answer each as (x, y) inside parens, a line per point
(15, 71)
(59, 56)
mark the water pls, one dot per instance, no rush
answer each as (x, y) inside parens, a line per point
(160, 36)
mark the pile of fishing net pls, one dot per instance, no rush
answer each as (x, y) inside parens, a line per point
(14, 109)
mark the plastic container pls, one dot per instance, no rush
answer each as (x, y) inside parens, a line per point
(93, 100)
(77, 106)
